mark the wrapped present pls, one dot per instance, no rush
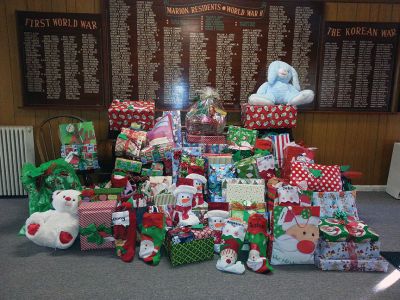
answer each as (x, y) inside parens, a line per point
(346, 229)
(128, 165)
(79, 145)
(151, 172)
(164, 199)
(216, 148)
(200, 212)
(187, 162)
(241, 138)
(295, 235)
(293, 152)
(203, 233)
(129, 143)
(268, 117)
(191, 252)
(244, 209)
(331, 202)
(247, 168)
(95, 224)
(177, 155)
(218, 158)
(162, 132)
(360, 265)
(292, 196)
(206, 139)
(314, 177)
(180, 235)
(348, 250)
(279, 141)
(122, 113)
(227, 181)
(206, 115)
(157, 153)
(101, 194)
(176, 125)
(245, 192)
(216, 173)
(157, 185)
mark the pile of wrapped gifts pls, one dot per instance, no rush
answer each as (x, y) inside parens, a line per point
(216, 189)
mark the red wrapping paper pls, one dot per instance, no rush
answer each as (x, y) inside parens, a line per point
(268, 117)
(206, 139)
(122, 113)
(97, 213)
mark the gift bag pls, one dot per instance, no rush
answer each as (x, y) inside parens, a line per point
(239, 137)
(293, 152)
(78, 145)
(279, 142)
(176, 125)
(295, 231)
(247, 168)
(216, 173)
(244, 209)
(314, 177)
(332, 202)
(40, 183)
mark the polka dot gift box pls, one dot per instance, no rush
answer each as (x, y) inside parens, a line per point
(122, 113)
(269, 117)
(314, 177)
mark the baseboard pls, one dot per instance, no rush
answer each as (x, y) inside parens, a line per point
(371, 188)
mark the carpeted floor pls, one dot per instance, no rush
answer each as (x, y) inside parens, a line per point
(31, 272)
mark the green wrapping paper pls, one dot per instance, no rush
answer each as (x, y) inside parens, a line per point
(41, 182)
(241, 137)
(336, 230)
(247, 168)
(190, 252)
(128, 165)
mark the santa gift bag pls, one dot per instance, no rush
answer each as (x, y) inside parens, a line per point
(295, 232)
(78, 145)
(314, 177)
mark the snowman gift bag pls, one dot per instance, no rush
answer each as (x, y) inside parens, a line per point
(296, 233)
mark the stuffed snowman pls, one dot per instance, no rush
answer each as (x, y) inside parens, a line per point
(184, 193)
(216, 221)
(299, 238)
(199, 181)
(56, 228)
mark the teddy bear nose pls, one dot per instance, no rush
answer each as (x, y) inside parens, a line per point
(68, 198)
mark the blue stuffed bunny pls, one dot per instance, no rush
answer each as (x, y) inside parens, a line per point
(279, 90)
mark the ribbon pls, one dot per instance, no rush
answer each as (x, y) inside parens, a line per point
(95, 234)
(351, 249)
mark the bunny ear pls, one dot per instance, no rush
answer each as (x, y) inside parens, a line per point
(273, 72)
(295, 79)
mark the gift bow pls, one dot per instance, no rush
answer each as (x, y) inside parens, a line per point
(95, 233)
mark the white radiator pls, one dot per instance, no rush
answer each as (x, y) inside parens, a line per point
(16, 148)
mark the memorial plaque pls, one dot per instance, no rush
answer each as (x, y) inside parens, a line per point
(61, 59)
(358, 62)
(166, 50)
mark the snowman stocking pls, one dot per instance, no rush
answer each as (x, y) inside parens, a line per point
(152, 237)
(232, 238)
(257, 236)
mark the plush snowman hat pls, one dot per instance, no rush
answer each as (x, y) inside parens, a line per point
(196, 173)
(217, 213)
(184, 185)
(289, 219)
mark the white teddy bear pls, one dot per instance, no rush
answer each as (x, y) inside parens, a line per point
(56, 228)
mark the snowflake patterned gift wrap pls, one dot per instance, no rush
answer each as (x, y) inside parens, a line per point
(348, 250)
(331, 202)
(95, 224)
(122, 113)
(362, 265)
(269, 117)
(190, 252)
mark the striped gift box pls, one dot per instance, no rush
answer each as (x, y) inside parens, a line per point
(164, 199)
(206, 139)
(99, 213)
(280, 142)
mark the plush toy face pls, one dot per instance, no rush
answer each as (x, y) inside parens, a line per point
(254, 255)
(228, 256)
(184, 199)
(306, 236)
(216, 223)
(288, 194)
(66, 201)
(235, 231)
(198, 185)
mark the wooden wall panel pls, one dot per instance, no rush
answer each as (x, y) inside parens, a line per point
(363, 140)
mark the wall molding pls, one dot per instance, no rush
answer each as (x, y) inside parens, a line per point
(371, 188)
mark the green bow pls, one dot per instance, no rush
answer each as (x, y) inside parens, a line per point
(316, 173)
(261, 152)
(93, 233)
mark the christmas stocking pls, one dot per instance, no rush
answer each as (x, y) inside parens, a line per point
(258, 239)
(152, 237)
(232, 238)
(124, 220)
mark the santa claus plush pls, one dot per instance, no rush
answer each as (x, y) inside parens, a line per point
(184, 193)
(147, 249)
(296, 239)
